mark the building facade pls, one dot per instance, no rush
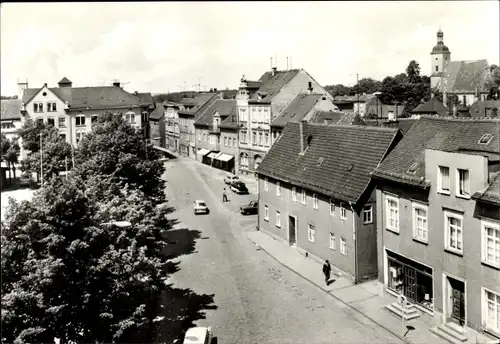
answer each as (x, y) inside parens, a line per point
(377, 108)
(172, 130)
(259, 102)
(11, 120)
(315, 193)
(74, 109)
(438, 221)
(157, 126)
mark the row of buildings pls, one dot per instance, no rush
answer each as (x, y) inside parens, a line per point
(418, 210)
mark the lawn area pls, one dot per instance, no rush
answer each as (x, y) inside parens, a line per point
(19, 195)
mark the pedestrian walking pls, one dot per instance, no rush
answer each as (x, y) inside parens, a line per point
(224, 196)
(326, 270)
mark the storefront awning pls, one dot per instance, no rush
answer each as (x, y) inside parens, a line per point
(203, 151)
(224, 157)
(213, 155)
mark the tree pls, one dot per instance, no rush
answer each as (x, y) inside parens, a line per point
(366, 86)
(10, 151)
(413, 73)
(65, 274)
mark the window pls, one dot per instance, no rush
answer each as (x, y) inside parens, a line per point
(254, 138)
(444, 179)
(437, 68)
(392, 213)
(332, 207)
(225, 141)
(343, 246)
(243, 137)
(51, 107)
(130, 117)
(343, 212)
(266, 213)
(491, 311)
(463, 186)
(260, 139)
(420, 229)
(234, 142)
(278, 189)
(199, 137)
(266, 141)
(485, 139)
(62, 136)
(93, 119)
(294, 194)
(266, 185)
(491, 243)
(303, 197)
(367, 214)
(315, 201)
(79, 136)
(38, 107)
(332, 241)
(39, 121)
(278, 219)
(51, 121)
(80, 120)
(311, 233)
(453, 231)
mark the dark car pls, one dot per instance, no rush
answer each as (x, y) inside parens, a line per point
(250, 208)
(239, 187)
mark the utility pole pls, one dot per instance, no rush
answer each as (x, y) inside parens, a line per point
(41, 159)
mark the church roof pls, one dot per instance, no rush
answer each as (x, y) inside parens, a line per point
(64, 80)
(465, 77)
(440, 48)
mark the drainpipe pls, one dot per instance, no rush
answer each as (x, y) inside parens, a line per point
(356, 280)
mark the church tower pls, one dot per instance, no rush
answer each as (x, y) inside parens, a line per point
(440, 56)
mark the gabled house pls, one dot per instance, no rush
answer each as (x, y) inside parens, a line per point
(302, 107)
(172, 130)
(433, 107)
(73, 109)
(229, 140)
(192, 108)
(315, 192)
(438, 222)
(11, 120)
(209, 142)
(259, 103)
(157, 126)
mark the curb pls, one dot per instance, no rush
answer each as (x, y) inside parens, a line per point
(327, 292)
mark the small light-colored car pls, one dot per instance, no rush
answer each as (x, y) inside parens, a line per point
(198, 335)
(230, 179)
(26, 180)
(200, 207)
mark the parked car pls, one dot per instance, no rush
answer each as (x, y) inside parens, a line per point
(250, 208)
(230, 179)
(26, 180)
(200, 207)
(198, 335)
(239, 187)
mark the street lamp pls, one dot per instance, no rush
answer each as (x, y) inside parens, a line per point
(120, 224)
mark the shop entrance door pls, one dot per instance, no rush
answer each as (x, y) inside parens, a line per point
(410, 283)
(457, 300)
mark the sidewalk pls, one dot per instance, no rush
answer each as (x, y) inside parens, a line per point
(363, 298)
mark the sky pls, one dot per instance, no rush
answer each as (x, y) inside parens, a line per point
(163, 47)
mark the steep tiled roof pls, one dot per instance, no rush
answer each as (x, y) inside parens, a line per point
(347, 118)
(272, 84)
(352, 99)
(484, 108)
(64, 80)
(326, 117)
(201, 102)
(158, 112)
(145, 98)
(492, 192)
(465, 76)
(11, 109)
(97, 97)
(440, 133)
(433, 106)
(403, 124)
(224, 107)
(230, 122)
(296, 109)
(337, 162)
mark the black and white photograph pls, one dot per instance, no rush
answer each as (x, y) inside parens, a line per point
(281, 172)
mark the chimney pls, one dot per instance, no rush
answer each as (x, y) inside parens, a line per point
(215, 90)
(116, 83)
(309, 88)
(301, 133)
(45, 85)
(273, 71)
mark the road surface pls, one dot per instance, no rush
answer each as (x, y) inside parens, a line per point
(257, 299)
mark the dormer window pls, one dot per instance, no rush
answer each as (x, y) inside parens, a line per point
(485, 139)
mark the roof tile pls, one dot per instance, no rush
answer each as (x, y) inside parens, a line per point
(296, 109)
(11, 109)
